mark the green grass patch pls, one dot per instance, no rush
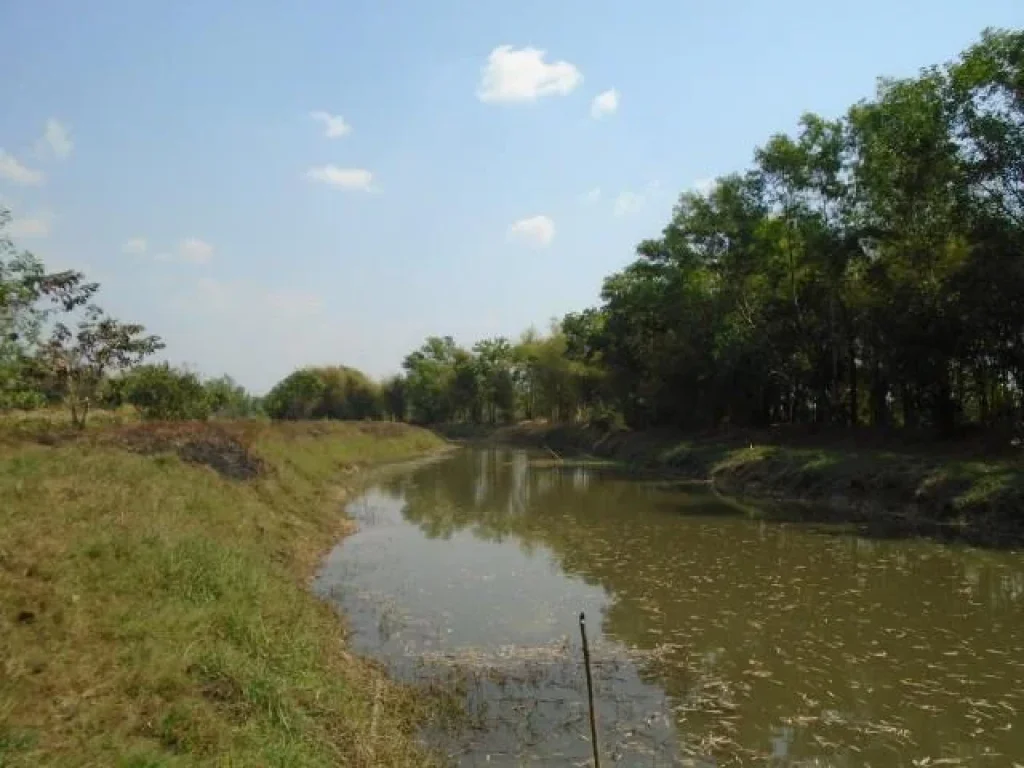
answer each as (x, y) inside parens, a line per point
(156, 609)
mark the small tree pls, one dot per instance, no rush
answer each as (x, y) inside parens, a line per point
(295, 397)
(229, 399)
(78, 360)
(165, 393)
(29, 296)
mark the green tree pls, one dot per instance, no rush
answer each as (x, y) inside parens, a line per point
(865, 270)
(347, 394)
(77, 360)
(160, 392)
(394, 398)
(429, 376)
(297, 396)
(909, 176)
(495, 362)
(29, 298)
(333, 392)
(228, 399)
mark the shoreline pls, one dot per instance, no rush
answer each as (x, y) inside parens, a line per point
(942, 491)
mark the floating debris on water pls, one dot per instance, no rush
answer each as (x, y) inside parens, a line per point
(721, 641)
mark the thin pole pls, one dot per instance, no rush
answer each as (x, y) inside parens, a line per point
(590, 693)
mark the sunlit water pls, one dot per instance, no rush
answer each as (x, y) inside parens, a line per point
(718, 639)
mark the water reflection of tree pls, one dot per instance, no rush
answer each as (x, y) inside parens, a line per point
(801, 625)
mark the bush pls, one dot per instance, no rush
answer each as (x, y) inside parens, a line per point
(110, 393)
(230, 400)
(295, 397)
(161, 392)
(335, 392)
(21, 399)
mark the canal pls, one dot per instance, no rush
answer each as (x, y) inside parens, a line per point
(719, 638)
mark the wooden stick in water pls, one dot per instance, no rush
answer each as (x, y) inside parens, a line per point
(590, 693)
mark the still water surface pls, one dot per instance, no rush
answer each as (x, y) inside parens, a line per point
(718, 639)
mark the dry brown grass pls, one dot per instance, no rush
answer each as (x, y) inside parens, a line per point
(155, 606)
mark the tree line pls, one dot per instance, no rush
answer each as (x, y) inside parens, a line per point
(866, 270)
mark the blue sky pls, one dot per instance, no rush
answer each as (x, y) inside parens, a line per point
(171, 151)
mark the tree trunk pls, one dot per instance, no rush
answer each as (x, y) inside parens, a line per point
(73, 402)
(944, 407)
(909, 404)
(854, 404)
(981, 381)
(879, 398)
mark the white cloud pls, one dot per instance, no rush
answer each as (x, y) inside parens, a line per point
(136, 246)
(30, 226)
(345, 178)
(537, 231)
(628, 202)
(56, 139)
(591, 197)
(604, 104)
(522, 75)
(233, 296)
(704, 186)
(334, 125)
(13, 170)
(195, 250)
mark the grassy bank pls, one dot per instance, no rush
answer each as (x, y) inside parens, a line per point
(155, 602)
(856, 475)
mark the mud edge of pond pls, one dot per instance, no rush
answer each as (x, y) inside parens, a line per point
(948, 490)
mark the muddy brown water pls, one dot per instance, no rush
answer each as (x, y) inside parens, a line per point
(718, 639)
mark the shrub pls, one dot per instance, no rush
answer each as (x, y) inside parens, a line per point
(335, 392)
(161, 392)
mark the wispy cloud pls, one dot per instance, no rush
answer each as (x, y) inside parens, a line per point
(36, 226)
(56, 140)
(537, 231)
(136, 246)
(231, 296)
(14, 170)
(295, 302)
(334, 125)
(522, 75)
(629, 202)
(343, 178)
(591, 196)
(194, 250)
(605, 104)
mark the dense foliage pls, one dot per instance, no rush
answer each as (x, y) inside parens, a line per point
(867, 270)
(496, 381)
(334, 392)
(161, 392)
